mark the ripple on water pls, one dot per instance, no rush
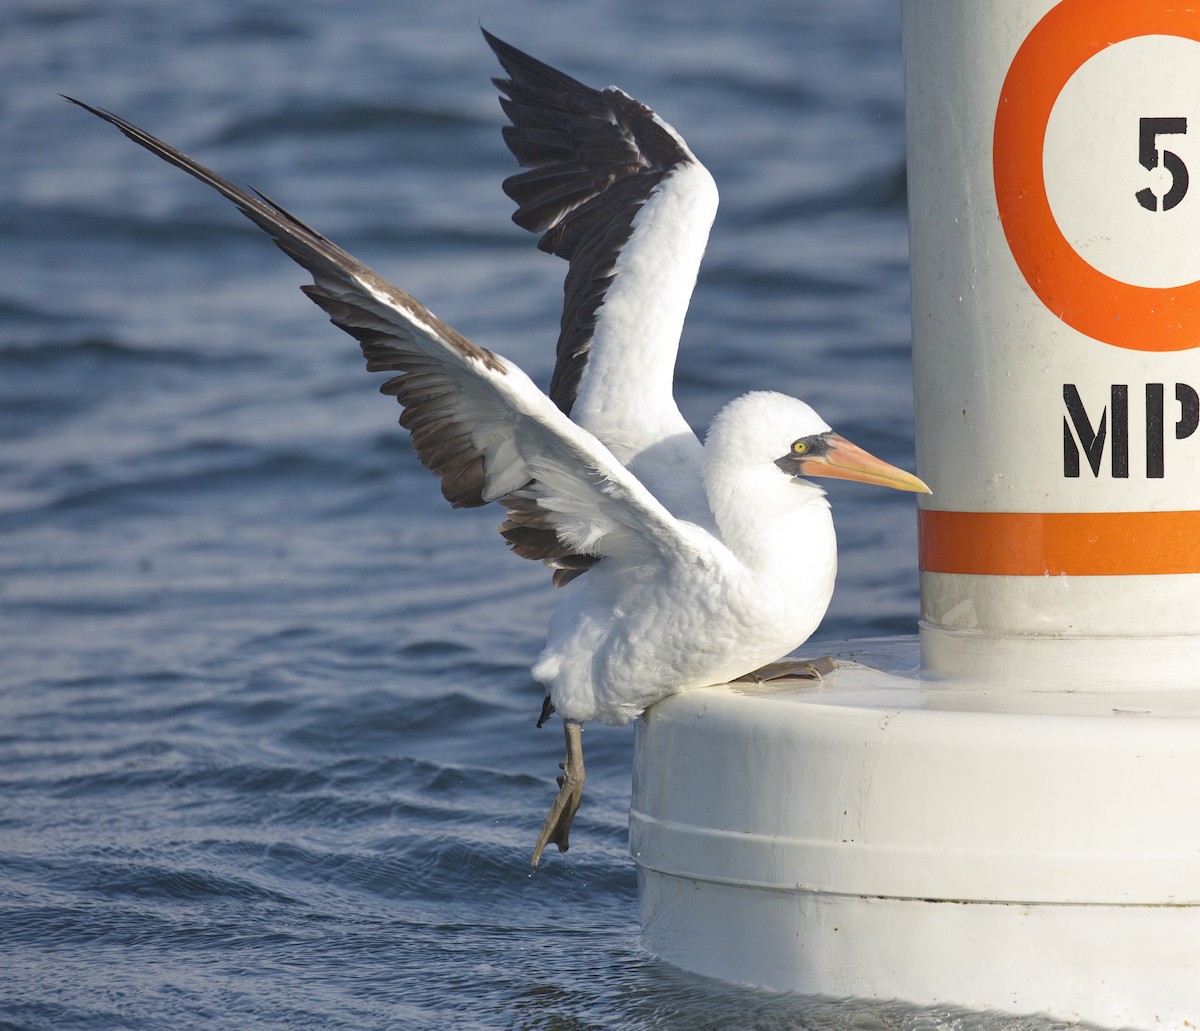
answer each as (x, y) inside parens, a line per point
(267, 754)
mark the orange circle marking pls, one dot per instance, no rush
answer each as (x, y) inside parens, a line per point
(1140, 318)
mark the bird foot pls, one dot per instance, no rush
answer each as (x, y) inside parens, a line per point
(805, 669)
(557, 827)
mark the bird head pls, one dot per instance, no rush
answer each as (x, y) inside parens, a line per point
(767, 426)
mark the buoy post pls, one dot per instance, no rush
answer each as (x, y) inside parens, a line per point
(1005, 815)
(1055, 240)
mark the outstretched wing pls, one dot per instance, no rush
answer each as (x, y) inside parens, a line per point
(616, 191)
(477, 421)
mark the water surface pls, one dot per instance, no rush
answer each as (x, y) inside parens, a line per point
(267, 753)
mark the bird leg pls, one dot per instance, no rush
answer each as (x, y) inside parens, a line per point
(570, 792)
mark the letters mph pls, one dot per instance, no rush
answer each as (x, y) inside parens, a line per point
(1080, 434)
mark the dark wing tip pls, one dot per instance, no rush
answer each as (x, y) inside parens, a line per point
(128, 128)
(519, 65)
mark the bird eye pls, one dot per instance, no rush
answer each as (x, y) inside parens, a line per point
(799, 447)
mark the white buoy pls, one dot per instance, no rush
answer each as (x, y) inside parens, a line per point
(1009, 818)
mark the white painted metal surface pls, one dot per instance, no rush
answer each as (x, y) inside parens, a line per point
(1056, 329)
(1014, 823)
(881, 836)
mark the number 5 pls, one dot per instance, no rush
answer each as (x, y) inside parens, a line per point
(1149, 130)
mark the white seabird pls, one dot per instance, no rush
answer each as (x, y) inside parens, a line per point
(703, 562)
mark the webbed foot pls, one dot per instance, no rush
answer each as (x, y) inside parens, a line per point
(806, 669)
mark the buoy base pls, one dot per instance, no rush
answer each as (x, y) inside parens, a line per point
(1117, 966)
(880, 836)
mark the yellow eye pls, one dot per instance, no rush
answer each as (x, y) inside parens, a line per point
(799, 448)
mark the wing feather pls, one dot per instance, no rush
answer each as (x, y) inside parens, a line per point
(476, 420)
(616, 192)
(595, 158)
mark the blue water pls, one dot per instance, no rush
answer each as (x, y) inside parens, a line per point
(267, 744)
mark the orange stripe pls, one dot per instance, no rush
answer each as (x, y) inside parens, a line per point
(1059, 543)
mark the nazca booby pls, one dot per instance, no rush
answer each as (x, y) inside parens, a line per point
(703, 562)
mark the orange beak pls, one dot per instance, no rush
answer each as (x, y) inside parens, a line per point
(841, 460)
